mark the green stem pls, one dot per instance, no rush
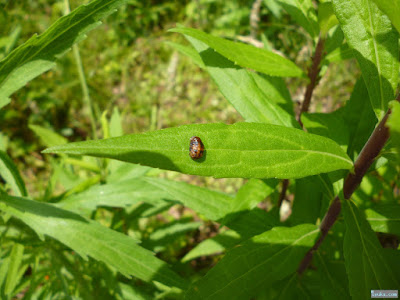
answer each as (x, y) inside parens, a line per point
(87, 101)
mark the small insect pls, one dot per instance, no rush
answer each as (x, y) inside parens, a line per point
(196, 148)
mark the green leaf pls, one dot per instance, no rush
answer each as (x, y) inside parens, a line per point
(252, 193)
(331, 273)
(304, 13)
(244, 225)
(154, 191)
(394, 126)
(48, 137)
(364, 255)
(10, 174)
(245, 55)
(369, 32)
(256, 98)
(326, 17)
(359, 118)
(339, 54)
(248, 150)
(384, 218)
(40, 52)
(89, 238)
(392, 9)
(255, 264)
(163, 236)
(329, 125)
(216, 244)
(13, 269)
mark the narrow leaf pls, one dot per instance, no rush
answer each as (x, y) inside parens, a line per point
(40, 52)
(48, 137)
(14, 269)
(88, 238)
(245, 55)
(10, 174)
(255, 264)
(256, 98)
(394, 126)
(364, 255)
(304, 13)
(213, 205)
(248, 150)
(369, 32)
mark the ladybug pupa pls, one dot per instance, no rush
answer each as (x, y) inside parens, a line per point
(196, 148)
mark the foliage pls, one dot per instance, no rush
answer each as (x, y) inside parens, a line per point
(108, 218)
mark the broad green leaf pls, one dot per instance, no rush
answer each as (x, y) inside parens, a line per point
(255, 264)
(384, 218)
(40, 52)
(154, 191)
(304, 13)
(245, 55)
(364, 255)
(10, 174)
(369, 32)
(359, 118)
(14, 269)
(392, 9)
(257, 99)
(307, 202)
(331, 274)
(89, 238)
(248, 150)
(326, 17)
(48, 137)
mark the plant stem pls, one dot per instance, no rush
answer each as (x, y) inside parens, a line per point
(87, 101)
(313, 73)
(255, 18)
(364, 160)
(313, 76)
(285, 184)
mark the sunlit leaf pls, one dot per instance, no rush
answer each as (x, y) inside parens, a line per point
(364, 255)
(248, 150)
(89, 238)
(369, 32)
(255, 264)
(245, 55)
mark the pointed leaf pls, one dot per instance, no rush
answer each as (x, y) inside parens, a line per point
(256, 98)
(89, 238)
(40, 52)
(248, 150)
(364, 255)
(369, 32)
(10, 174)
(255, 264)
(246, 56)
